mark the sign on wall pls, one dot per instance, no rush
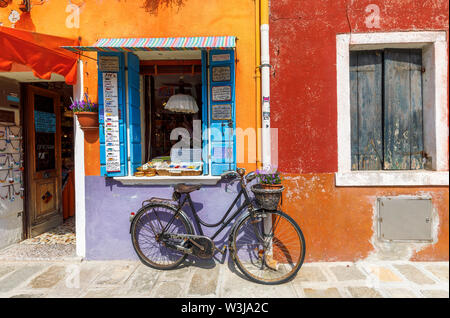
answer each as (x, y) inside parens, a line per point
(221, 112)
(108, 63)
(221, 74)
(221, 93)
(111, 119)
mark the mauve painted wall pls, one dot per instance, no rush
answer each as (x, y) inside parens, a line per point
(109, 204)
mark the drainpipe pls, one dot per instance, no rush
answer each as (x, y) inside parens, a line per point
(265, 85)
(258, 82)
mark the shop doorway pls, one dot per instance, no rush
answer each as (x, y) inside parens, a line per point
(36, 167)
(43, 164)
(48, 128)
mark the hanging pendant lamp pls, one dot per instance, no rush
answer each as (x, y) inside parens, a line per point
(182, 103)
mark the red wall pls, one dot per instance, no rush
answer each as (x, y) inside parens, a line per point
(303, 55)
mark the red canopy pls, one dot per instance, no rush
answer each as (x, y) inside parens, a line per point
(41, 52)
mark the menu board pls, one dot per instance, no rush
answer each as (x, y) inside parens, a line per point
(221, 73)
(221, 112)
(221, 93)
(111, 119)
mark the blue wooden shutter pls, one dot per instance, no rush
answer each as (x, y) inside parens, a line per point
(134, 111)
(122, 118)
(222, 113)
(403, 113)
(205, 112)
(366, 110)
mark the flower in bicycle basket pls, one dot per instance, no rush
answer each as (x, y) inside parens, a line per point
(269, 176)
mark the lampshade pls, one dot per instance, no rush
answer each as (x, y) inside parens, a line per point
(182, 103)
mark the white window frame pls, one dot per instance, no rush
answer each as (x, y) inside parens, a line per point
(435, 103)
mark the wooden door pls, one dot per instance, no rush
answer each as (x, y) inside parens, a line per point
(43, 156)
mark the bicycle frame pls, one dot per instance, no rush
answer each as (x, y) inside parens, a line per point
(199, 222)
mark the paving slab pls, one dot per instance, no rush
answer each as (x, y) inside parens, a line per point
(440, 271)
(142, 282)
(168, 289)
(235, 286)
(78, 278)
(49, 278)
(115, 274)
(384, 274)
(348, 272)
(204, 282)
(413, 274)
(435, 293)
(364, 292)
(310, 274)
(5, 270)
(401, 293)
(18, 277)
(322, 293)
(182, 273)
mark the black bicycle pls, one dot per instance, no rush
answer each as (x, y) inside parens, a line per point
(267, 246)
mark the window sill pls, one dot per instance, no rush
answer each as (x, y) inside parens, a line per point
(163, 180)
(391, 178)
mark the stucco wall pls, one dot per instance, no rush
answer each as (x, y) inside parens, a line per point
(338, 221)
(141, 18)
(107, 220)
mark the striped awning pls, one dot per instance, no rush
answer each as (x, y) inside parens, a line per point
(158, 44)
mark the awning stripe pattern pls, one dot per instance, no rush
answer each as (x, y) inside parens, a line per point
(158, 44)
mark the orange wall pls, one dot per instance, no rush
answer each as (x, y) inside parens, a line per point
(114, 18)
(338, 221)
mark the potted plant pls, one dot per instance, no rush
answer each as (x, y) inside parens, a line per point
(86, 111)
(268, 190)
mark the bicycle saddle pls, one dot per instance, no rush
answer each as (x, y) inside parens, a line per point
(184, 188)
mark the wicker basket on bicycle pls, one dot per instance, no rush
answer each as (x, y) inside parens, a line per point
(267, 199)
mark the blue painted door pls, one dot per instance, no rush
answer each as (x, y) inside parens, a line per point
(134, 111)
(222, 111)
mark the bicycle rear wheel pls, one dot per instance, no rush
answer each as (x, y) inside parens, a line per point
(268, 247)
(148, 223)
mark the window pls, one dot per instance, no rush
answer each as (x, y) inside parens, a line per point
(386, 109)
(390, 169)
(136, 125)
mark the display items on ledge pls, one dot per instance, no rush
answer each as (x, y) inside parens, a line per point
(167, 168)
(86, 112)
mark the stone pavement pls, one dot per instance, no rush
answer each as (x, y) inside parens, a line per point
(75, 278)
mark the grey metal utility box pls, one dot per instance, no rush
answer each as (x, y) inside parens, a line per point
(405, 219)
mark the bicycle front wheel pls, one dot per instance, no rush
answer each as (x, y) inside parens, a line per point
(268, 247)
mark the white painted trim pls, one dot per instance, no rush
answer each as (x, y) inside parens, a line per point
(162, 180)
(392, 178)
(434, 45)
(80, 205)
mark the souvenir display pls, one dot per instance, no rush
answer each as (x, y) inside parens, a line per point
(166, 168)
(10, 163)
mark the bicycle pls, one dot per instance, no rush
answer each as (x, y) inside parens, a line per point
(267, 246)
